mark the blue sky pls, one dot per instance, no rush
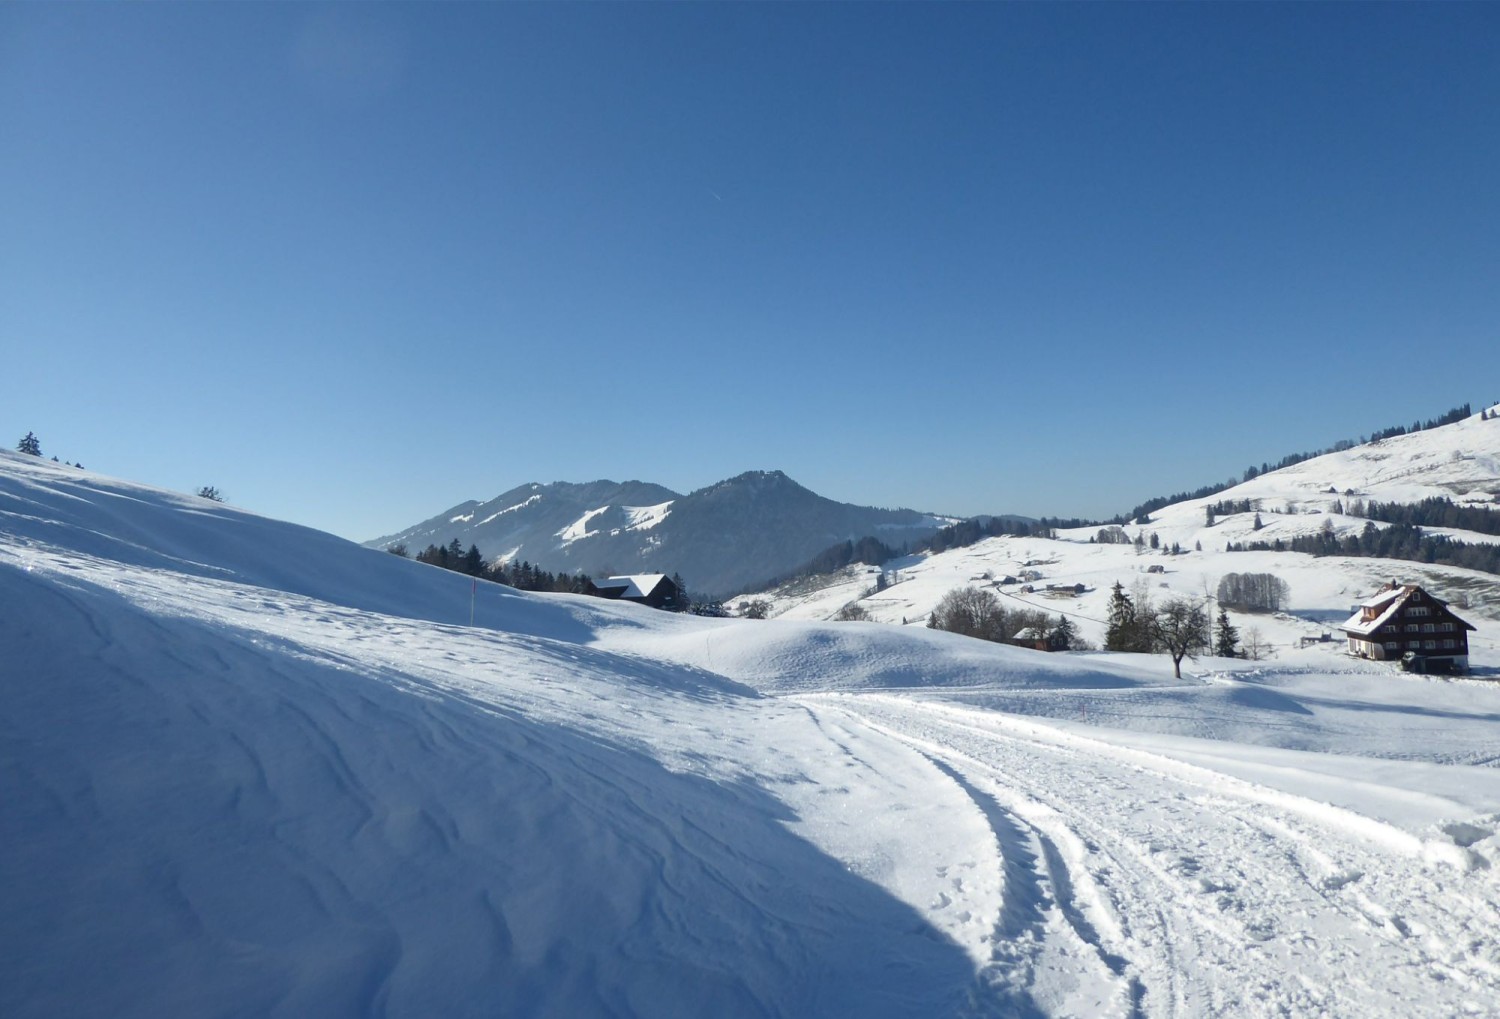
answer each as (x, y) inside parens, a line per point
(356, 263)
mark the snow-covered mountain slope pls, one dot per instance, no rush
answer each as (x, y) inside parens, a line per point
(731, 535)
(250, 769)
(1460, 461)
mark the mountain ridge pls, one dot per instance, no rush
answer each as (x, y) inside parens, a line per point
(725, 537)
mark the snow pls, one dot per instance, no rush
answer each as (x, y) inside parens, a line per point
(579, 528)
(509, 509)
(249, 768)
(643, 518)
(637, 586)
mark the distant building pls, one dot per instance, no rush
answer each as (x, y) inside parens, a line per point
(1034, 637)
(653, 589)
(1405, 623)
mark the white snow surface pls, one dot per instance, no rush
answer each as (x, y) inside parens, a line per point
(643, 518)
(247, 768)
(509, 509)
(579, 529)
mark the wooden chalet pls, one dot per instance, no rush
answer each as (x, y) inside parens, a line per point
(653, 589)
(1404, 623)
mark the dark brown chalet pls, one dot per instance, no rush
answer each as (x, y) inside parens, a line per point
(1405, 623)
(653, 589)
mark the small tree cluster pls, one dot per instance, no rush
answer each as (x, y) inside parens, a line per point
(852, 612)
(1253, 592)
(976, 612)
(30, 445)
(755, 608)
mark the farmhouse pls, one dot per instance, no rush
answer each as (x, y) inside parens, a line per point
(1405, 622)
(653, 589)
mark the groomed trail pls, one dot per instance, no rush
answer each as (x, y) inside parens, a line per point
(1137, 885)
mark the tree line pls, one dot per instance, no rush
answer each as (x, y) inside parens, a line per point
(523, 576)
(1398, 541)
(1438, 511)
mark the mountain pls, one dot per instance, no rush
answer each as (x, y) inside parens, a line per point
(732, 536)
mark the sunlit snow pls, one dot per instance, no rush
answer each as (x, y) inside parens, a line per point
(250, 768)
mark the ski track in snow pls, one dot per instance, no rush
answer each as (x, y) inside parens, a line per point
(1197, 894)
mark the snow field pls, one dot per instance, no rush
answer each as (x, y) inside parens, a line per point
(246, 768)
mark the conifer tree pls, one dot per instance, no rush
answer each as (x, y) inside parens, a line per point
(1226, 640)
(29, 445)
(1063, 636)
(1120, 634)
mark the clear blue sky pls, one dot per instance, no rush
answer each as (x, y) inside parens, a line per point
(356, 263)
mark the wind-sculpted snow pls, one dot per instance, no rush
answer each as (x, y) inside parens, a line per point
(250, 769)
(291, 808)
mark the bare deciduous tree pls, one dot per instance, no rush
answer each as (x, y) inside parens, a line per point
(1180, 628)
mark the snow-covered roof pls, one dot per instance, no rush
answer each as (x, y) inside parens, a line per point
(1391, 598)
(637, 586)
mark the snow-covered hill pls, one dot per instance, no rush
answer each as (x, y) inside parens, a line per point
(1460, 461)
(251, 769)
(726, 537)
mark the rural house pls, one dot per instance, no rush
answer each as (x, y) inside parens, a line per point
(653, 589)
(1404, 622)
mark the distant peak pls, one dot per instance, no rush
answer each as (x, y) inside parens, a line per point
(763, 476)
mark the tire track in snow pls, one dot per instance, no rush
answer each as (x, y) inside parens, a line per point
(1243, 902)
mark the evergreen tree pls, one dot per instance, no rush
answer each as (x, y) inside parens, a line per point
(1063, 636)
(473, 562)
(210, 493)
(1255, 524)
(29, 445)
(1120, 633)
(1226, 640)
(684, 600)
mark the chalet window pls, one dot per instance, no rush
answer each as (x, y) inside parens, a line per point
(1388, 628)
(1429, 628)
(1446, 628)
(1392, 645)
(1418, 610)
(1411, 627)
(1448, 643)
(1430, 645)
